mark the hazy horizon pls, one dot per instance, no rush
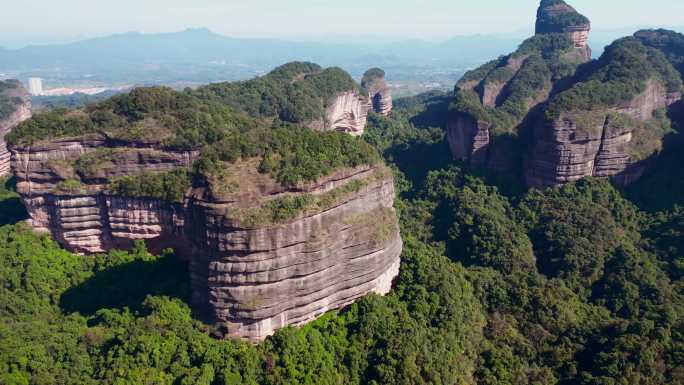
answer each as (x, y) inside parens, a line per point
(310, 20)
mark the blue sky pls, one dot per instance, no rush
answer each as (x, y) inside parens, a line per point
(43, 21)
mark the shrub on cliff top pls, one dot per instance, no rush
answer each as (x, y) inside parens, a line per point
(370, 76)
(543, 61)
(617, 77)
(154, 114)
(296, 92)
(671, 43)
(291, 155)
(170, 186)
(8, 105)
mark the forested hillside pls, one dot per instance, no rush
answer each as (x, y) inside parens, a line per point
(575, 285)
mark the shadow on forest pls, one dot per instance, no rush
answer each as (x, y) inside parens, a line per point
(436, 111)
(418, 159)
(12, 211)
(127, 285)
(662, 186)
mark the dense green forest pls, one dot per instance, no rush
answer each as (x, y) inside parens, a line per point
(77, 100)
(579, 285)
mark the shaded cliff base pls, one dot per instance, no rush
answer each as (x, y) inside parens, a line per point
(662, 184)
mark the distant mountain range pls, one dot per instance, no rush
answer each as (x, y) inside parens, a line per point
(204, 46)
(202, 56)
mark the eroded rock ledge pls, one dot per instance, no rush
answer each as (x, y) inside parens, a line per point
(252, 272)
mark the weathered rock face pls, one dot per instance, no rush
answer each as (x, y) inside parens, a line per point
(468, 139)
(249, 277)
(347, 112)
(593, 143)
(80, 220)
(259, 280)
(380, 93)
(14, 92)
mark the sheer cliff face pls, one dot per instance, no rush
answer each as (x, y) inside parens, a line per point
(250, 275)
(468, 139)
(20, 111)
(533, 114)
(346, 112)
(83, 219)
(380, 93)
(595, 143)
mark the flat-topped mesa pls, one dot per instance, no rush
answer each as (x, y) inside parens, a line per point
(279, 225)
(381, 95)
(15, 107)
(556, 16)
(301, 93)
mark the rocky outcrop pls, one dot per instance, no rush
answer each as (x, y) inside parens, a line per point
(16, 108)
(509, 88)
(556, 16)
(251, 275)
(594, 143)
(261, 279)
(347, 112)
(525, 114)
(381, 95)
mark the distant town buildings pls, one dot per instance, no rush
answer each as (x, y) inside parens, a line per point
(35, 86)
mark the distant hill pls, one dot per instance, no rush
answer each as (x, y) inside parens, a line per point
(204, 46)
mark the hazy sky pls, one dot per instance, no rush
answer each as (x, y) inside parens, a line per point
(41, 21)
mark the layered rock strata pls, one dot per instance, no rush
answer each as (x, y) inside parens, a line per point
(19, 103)
(347, 112)
(381, 95)
(251, 275)
(594, 143)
